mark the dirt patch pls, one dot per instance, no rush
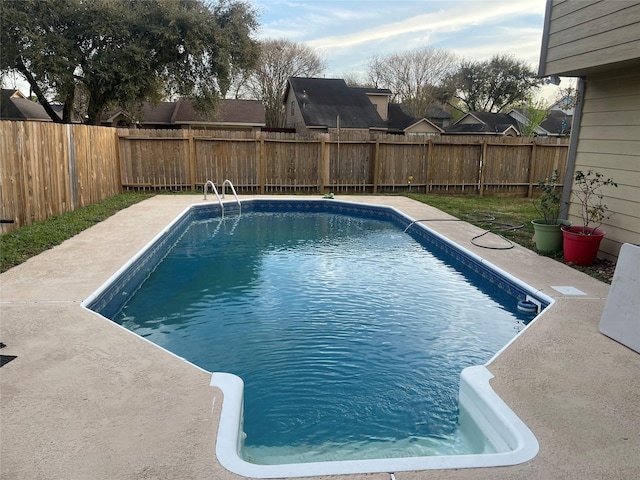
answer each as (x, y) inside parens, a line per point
(602, 269)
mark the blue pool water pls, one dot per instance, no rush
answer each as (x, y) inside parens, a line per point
(349, 334)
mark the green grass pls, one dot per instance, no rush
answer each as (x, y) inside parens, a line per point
(512, 215)
(19, 245)
(512, 220)
(510, 211)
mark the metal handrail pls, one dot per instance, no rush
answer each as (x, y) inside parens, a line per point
(233, 190)
(215, 190)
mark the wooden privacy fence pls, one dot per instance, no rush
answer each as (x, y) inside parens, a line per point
(267, 162)
(47, 169)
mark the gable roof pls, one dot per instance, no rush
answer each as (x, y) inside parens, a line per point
(486, 123)
(557, 122)
(15, 106)
(228, 112)
(184, 112)
(373, 91)
(398, 118)
(437, 112)
(323, 100)
(400, 121)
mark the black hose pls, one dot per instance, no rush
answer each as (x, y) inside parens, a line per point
(482, 218)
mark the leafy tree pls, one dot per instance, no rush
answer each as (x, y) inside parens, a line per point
(536, 112)
(493, 85)
(415, 78)
(122, 52)
(279, 60)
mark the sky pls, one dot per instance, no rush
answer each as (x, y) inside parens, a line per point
(348, 33)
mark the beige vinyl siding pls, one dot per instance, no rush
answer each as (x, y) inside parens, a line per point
(422, 128)
(589, 34)
(382, 105)
(293, 121)
(609, 142)
(468, 119)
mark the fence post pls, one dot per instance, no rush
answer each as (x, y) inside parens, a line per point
(322, 167)
(73, 167)
(190, 157)
(325, 153)
(483, 166)
(262, 164)
(427, 169)
(531, 167)
(376, 166)
(118, 162)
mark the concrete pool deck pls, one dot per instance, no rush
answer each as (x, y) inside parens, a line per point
(85, 399)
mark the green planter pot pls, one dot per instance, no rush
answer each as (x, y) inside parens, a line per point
(548, 237)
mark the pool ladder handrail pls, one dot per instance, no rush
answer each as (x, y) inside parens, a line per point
(233, 190)
(215, 190)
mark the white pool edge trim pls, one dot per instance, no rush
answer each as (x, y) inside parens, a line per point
(497, 421)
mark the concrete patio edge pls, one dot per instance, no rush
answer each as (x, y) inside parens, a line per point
(85, 399)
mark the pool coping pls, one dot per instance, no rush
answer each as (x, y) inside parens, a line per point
(515, 443)
(562, 361)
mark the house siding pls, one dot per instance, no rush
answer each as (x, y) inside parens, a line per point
(589, 34)
(609, 142)
(422, 128)
(293, 120)
(468, 119)
(382, 105)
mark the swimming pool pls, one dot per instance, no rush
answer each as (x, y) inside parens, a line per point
(111, 298)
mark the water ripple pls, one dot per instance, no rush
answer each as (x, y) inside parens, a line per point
(345, 331)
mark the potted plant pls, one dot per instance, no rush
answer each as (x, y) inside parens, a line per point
(581, 243)
(548, 236)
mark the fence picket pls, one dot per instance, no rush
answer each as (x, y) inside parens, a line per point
(48, 169)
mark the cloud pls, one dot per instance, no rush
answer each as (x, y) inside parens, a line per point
(461, 16)
(348, 32)
(300, 21)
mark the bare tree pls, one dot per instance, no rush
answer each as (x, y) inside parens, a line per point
(279, 60)
(355, 79)
(567, 98)
(415, 77)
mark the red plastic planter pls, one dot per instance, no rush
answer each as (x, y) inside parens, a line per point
(579, 248)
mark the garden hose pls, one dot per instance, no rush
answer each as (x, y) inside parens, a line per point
(480, 218)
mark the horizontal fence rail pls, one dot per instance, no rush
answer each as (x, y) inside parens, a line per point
(266, 162)
(49, 169)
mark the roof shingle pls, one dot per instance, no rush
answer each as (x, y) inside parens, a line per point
(323, 100)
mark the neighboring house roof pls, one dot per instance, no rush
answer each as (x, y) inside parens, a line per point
(15, 106)
(323, 100)
(484, 123)
(401, 121)
(436, 112)
(228, 113)
(557, 123)
(373, 91)
(113, 117)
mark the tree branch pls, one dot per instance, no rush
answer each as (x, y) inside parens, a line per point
(21, 67)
